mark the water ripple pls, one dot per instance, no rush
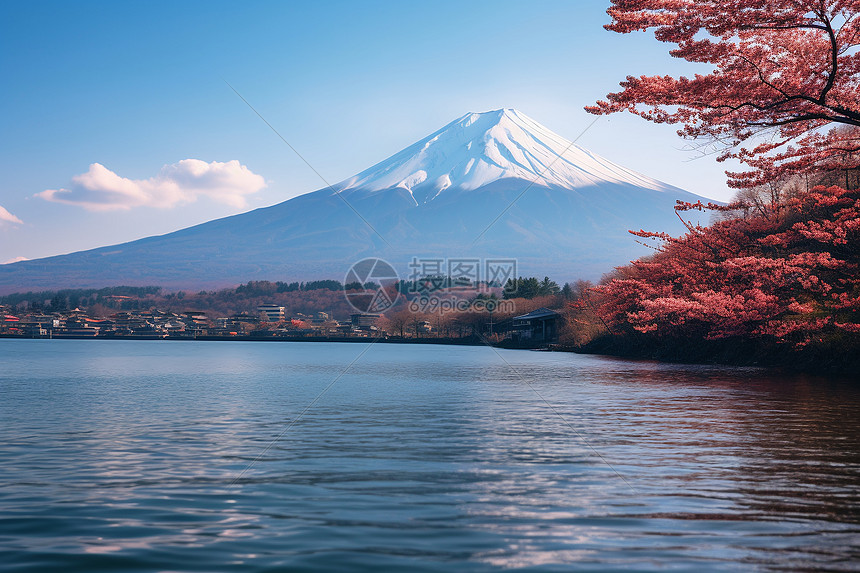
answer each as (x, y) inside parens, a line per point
(123, 456)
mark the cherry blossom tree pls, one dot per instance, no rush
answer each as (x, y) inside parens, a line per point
(783, 93)
(792, 279)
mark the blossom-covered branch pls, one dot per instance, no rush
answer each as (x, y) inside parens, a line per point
(784, 73)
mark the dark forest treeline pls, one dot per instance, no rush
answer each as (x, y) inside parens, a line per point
(65, 299)
(308, 296)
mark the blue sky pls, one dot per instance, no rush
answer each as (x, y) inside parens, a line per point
(139, 86)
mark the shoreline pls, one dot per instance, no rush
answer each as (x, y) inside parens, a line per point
(449, 341)
(801, 365)
(465, 341)
(733, 353)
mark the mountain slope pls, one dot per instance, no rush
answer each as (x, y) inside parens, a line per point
(494, 184)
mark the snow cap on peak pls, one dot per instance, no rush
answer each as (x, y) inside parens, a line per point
(495, 114)
(480, 148)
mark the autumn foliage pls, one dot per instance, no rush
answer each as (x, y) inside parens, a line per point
(790, 278)
(782, 94)
(780, 268)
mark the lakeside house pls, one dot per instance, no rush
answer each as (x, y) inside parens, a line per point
(364, 321)
(536, 328)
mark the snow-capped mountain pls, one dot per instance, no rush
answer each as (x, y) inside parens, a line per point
(495, 184)
(481, 148)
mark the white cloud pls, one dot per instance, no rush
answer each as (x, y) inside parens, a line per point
(100, 189)
(7, 217)
(15, 260)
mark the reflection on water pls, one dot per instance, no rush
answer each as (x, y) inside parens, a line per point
(122, 455)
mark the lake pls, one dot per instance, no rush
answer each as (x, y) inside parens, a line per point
(244, 456)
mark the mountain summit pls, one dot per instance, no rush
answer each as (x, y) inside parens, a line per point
(487, 185)
(481, 148)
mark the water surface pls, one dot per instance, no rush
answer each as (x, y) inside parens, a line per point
(221, 456)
